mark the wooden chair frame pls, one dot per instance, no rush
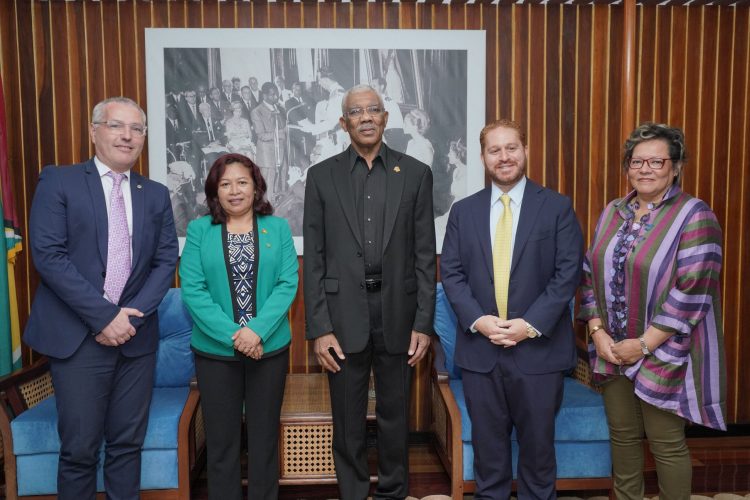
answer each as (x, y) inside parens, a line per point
(447, 431)
(27, 387)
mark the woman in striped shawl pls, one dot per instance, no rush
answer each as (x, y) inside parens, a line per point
(651, 303)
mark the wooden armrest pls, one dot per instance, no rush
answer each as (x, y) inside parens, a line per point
(582, 371)
(19, 391)
(25, 388)
(439, 371)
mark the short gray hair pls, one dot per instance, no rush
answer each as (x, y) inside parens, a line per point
(357, 89)
(97, 115)
(674, 138)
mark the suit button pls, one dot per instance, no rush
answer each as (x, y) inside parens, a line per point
(104, 274)
(359, 254)
(362, 286)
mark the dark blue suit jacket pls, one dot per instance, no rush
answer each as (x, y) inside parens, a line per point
(68, 233)
(545, 270)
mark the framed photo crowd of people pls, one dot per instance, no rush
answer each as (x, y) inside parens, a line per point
(229, 90)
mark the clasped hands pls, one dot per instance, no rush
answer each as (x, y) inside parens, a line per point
(248, 343)
(504, 332)
(119, 330)
(624, 352)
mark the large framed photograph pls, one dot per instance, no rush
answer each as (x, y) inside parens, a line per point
(205, 90)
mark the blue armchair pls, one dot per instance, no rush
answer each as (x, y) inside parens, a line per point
(581, 433)
(173, 450)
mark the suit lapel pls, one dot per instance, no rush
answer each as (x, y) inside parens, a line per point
(341, 180)
(530, 207)
(138, 200)
(394, 188)
(481, 216)
(94, 183)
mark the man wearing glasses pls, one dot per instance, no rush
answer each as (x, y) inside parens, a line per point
(369, 284)
(104, 245)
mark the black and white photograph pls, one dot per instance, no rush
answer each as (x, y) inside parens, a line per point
(280, 106)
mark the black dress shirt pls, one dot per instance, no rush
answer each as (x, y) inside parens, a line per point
(369, 187)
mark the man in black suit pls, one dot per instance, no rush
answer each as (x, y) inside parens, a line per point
(246, 101)
(300, 107)
(369, 284)
(187, 110)
(510, 265)
(218, 105)
(227, 94)
(207, 131)
(255, 93)
(176, 131)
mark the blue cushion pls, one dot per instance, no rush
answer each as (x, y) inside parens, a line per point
(37, 473)
(581, 433)
(174, 359)
(36, 444)
(445, 326)
(35, 430)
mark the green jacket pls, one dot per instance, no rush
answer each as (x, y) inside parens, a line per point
(206, 292)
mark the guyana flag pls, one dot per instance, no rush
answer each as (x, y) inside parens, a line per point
(10, 246)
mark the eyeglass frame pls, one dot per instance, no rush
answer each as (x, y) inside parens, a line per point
(374, 110)
(647, 161)
(118, 127)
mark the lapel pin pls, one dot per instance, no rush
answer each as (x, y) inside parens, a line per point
(138, 186)
(397, 169)
(264, 231)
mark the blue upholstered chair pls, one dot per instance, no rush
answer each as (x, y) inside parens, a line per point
(174, 447)
(581, 434)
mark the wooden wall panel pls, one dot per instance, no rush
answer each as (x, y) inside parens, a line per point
(555, 68)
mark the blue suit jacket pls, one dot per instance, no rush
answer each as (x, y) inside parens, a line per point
(544, 275)
(68, 232)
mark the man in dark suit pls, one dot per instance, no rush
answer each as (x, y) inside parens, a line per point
(218, 106)
(256, 96)
(369, 284)
(510, 265)
(104, 244)
(176, 131)
(187, 111)
(247, 103)
(300, 108)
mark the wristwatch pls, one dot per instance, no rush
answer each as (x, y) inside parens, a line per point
(531, 331)
(644, 348)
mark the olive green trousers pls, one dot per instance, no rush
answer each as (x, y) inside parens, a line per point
(629, 419)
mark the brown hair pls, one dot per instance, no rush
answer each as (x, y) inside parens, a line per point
(261, 206)
(502, 123)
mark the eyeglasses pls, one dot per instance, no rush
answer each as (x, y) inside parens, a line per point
(119, 128)
(653, 163)
(359, 112)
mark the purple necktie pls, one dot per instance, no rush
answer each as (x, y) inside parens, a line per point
(118, 246)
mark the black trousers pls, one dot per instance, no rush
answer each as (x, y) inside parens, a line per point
(226, 388)
(348, 390)
(101, 394)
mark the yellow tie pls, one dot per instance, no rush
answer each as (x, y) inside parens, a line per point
(501, 256)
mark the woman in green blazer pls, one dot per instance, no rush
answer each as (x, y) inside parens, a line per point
(239, 277)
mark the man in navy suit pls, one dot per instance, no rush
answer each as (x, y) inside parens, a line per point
(103, 242)
(514, 351)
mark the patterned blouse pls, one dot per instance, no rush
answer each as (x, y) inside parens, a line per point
(241, 251)
(662, 270)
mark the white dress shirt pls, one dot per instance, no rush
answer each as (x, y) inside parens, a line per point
(496, 211)
(107, 183)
